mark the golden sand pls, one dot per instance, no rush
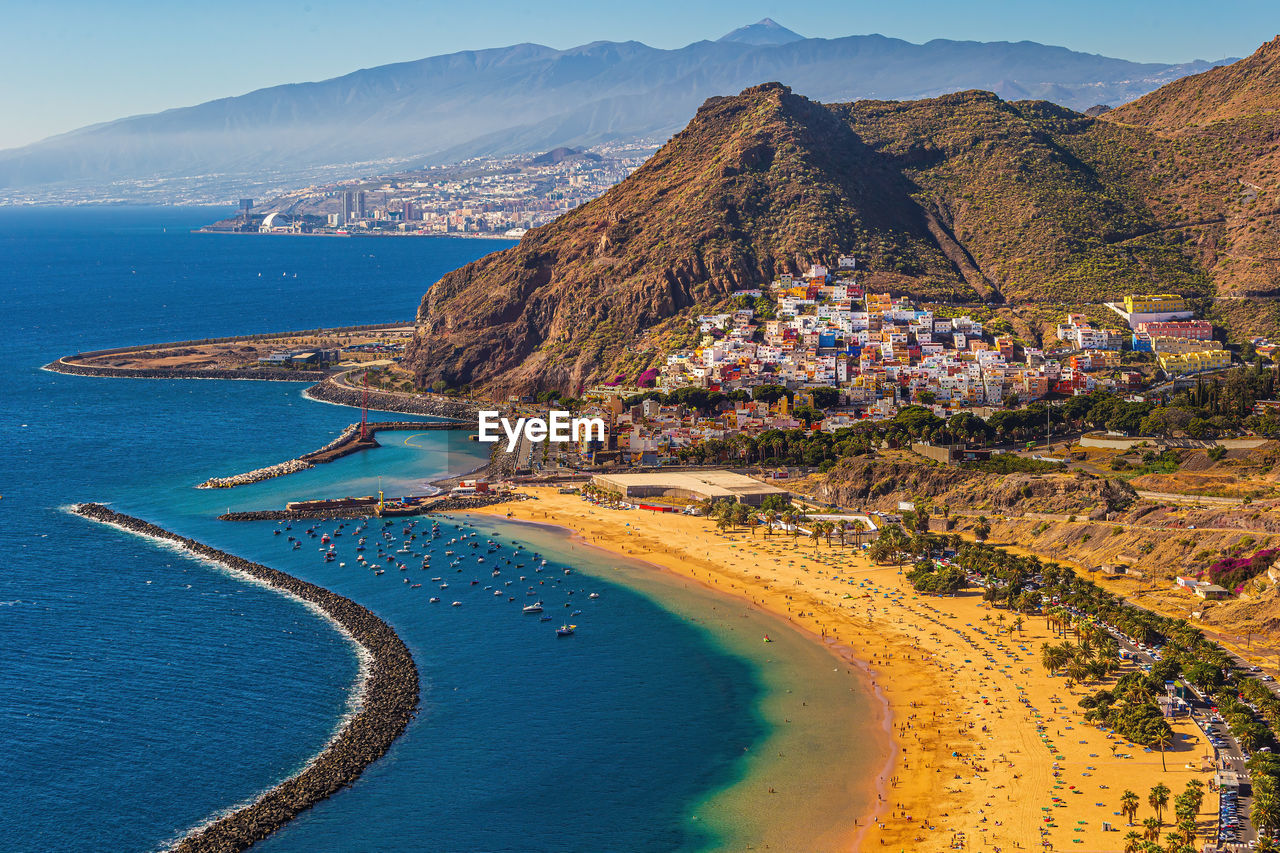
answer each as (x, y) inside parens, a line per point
(989, 752)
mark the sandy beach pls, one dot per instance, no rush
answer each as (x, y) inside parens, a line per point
(987, 752)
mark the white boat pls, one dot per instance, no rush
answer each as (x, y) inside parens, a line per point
(536, 607)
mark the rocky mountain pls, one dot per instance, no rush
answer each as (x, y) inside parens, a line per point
(964, 197)
(521, 99)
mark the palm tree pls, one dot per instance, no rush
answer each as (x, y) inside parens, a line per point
(1195, 795)
(1157, 733)
(982, 529)
(1017, 624)
(1052, 657)
(1132, 842)
(1151, 829)
(1077, 670)
(770, 517)
(1129, 805)
(859, 527)
(1186, 831)
(815, 533)
(1158, 799)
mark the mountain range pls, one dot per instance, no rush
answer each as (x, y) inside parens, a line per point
(526, 98)
(966, 197)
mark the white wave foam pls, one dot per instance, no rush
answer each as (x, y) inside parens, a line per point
(355, 696)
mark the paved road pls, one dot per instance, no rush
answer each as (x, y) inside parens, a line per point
(1170, 497)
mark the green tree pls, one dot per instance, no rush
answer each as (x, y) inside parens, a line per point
(1129, 805)
(1158, 799)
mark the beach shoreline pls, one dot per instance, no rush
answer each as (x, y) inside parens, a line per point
(985, 749)
(745, 793)
(874, 791)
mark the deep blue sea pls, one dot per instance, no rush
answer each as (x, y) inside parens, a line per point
(142, 692)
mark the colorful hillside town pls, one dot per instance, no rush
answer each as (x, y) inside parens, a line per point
(881, 352)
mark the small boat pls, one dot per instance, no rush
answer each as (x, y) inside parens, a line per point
(545, 619)
(594, 595)
(766, 639)
(565, 630)
(456, 604)
(378, 572)
(536, 607)
(435, 600)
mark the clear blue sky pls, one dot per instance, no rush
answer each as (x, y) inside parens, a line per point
(75, 62)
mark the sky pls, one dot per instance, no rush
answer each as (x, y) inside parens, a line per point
(73, 63)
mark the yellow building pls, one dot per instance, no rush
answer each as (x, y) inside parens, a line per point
(1169, 344)
(1157, 303)
(1178, 364)
(878, 303)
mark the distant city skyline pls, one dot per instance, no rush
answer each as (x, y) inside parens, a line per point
(83, 62)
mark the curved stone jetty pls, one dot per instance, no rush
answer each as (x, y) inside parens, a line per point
(348, 442)
(388, 701)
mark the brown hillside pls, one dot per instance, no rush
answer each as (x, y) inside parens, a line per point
(1249, 87)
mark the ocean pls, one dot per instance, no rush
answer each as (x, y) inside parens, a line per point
(143, 692)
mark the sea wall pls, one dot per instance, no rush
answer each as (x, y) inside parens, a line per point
(330, 391)
(389, 701)
(268, 374)
(471, 502)
(298, 514)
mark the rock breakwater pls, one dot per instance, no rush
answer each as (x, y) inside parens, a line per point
(471, 502)
(388, 701)
(256, 476)
(348, 442)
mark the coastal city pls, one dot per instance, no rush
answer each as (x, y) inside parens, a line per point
(478, 197)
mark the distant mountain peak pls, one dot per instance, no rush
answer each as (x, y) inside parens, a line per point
(764, 31)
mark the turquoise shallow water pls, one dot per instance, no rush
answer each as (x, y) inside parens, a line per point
(142, 692)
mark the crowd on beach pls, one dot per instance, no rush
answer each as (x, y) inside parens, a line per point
(993, 749)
